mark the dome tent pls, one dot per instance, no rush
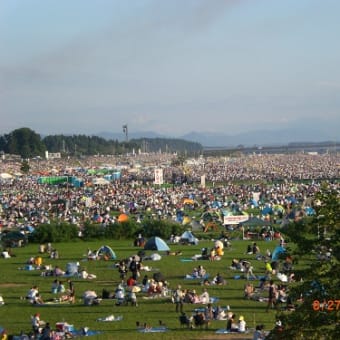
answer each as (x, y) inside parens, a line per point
(13, 238)
(188, 237)
(72, 269)
(105, 252)
(156, 243)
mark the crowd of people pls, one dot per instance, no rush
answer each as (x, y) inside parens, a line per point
(26, 202)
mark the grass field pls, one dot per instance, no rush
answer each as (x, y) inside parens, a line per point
(15, 282)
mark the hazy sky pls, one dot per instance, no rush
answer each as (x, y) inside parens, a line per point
(168, 66)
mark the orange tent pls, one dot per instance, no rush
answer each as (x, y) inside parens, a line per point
(123, 218)
(188, 201)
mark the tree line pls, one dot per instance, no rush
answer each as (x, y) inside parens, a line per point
(27, 143)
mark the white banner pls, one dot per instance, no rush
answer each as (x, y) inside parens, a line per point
(203, 181)
(235, 219)
(88, 202)
(159, 176)
(256, 196)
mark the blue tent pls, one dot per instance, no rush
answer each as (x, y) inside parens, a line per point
(309, 211)
(106, 252)
(267, 210)
(72, 269)
(188, 237)
(277, 252)
(179, 216)
(156, 243)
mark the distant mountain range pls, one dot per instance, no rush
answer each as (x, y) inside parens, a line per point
(251, 138)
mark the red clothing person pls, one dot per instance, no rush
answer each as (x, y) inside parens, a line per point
(131, 281)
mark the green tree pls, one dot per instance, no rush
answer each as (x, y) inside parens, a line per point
(317, 316)
(24, 142)
(25, 167)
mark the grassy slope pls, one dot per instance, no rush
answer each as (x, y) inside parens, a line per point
(15, 315)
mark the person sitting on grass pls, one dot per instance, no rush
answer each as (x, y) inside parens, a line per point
(60, 287)
(54, 287)
(200, 320)
(249, 273)
(241, 325)
(184, 320)
(120, 296)
(46, 332)
(201, 271)
(34, 297)
(231, 323)
(219, 280)
(259, 334)
(213, 255)
(205, 297)
(132, 297)
(255, 248)
(249, 291)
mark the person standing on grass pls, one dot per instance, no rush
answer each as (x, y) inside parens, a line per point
(271, 295)
(36, 324)
(178, 299)
(134, 267)
(71, 291)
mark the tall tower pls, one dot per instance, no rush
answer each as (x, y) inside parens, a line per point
(125, 130)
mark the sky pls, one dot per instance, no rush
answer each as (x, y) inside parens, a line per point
(168, 66)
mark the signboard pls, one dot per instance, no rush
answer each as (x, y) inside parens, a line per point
(52, 155)
(159, 176)
(235, 219)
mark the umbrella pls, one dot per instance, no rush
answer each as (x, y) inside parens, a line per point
(219, 244)
(135, 289)
(5, 175)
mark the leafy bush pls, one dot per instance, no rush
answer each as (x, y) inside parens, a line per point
(116, 231)
(93, 231)
(59, 232)
(64, 232)
(161, 228)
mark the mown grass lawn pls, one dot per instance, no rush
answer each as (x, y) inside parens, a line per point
(15, 282)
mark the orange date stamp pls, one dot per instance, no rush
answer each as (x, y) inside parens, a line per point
(326, 305)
